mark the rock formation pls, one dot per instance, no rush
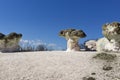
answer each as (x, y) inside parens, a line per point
(10, 42)
(72, 36)
(90, 45)
(111, 39)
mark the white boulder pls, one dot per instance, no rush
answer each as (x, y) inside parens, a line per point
(90, 45)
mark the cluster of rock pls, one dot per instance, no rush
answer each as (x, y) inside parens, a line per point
(110, 41)
(10, 42)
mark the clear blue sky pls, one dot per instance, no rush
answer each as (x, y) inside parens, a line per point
(43, 19)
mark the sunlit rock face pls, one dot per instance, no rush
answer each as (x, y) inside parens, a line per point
(111, 40)
(104, 44)
(90, 45)
(10, 42)
(72, 36)
(112, 31)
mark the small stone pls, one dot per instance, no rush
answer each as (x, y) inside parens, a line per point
(88, 78)
(93, 73)
(91, 78)
(107, 68)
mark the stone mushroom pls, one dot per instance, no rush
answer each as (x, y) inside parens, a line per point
(111, 39)
(72, 36)
(10, 42)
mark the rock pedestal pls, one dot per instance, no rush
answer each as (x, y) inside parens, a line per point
(72, 45)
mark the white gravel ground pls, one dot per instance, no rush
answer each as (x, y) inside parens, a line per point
(57, 65)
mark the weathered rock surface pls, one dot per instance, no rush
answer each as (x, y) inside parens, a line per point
(72, 36)
(90, 45)
(111, 39)
(10, 42)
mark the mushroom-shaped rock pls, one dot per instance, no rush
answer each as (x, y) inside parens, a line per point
(10, 42)
(72, 36)
(111, 40)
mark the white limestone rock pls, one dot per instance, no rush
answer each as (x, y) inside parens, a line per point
(90, 45)
(72, 45)
(111, 41)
